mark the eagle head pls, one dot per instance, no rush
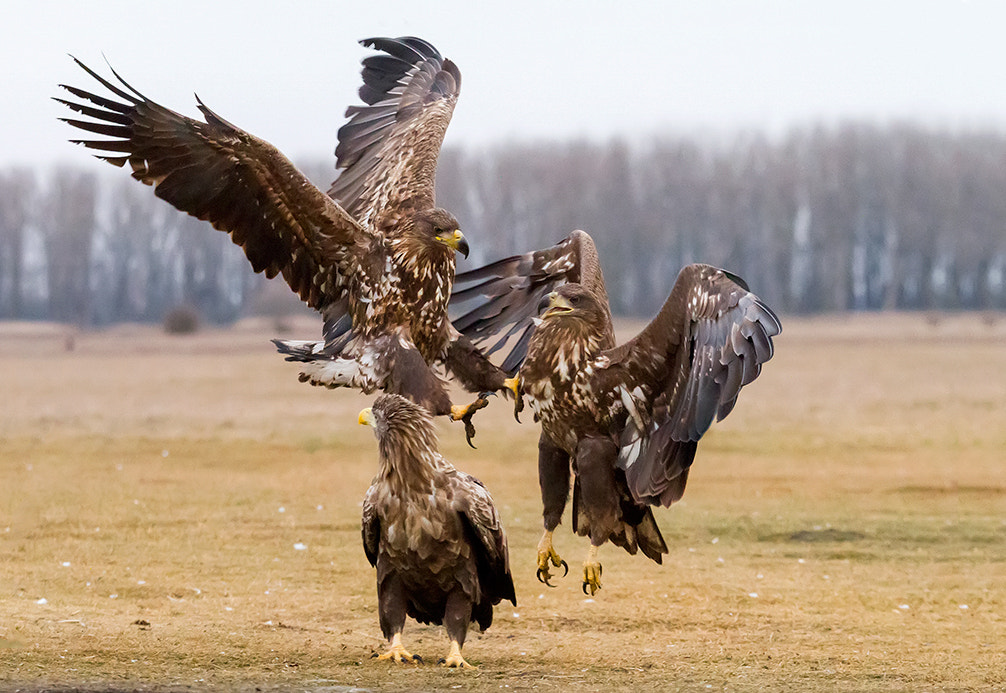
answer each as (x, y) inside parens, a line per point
(403, 428)
(440, 226)
(572, 301)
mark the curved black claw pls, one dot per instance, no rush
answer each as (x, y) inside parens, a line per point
(480, 403)
(512, 386)
(415, 658)
(594, 583)
(469, 433)
(544, 576)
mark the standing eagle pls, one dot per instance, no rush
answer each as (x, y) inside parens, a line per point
(431, 531)
(627, 417)
(374, 256)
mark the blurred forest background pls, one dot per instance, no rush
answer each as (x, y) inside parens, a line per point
(823, 219)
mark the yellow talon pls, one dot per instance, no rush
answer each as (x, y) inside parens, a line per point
(547, 555)
(397, 653)
(454, 659)
(591, 572)
(513, 385)
(465, 414)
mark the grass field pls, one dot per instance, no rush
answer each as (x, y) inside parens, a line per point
(179, 513)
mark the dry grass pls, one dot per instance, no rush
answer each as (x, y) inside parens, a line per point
(844, 529)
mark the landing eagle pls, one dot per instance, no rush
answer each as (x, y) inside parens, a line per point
(627, 417)
(374, 256)
(432, 532)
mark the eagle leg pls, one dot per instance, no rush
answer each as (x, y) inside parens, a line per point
(454, 660)
(398, 653)
(591, 572)
(465, 414)
(546, 555)
(513, 385)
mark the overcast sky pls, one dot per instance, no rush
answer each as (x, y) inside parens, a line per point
(531, 69)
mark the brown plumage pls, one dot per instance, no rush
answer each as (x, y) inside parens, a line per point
(627, 417)
(376, 259)
(431, 531)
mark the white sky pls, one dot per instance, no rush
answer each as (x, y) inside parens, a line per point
(531, 69)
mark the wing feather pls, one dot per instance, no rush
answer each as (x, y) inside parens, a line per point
(242, 185)
(709, 340)
(371, 526)
(474, 504)
(502, 297)
(388, 151)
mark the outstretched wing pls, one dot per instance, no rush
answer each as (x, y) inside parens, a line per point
(473, 502)
(684, 370)
(242, 185)
(389, 148)
(502, 298)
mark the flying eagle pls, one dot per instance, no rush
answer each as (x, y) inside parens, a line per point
(431, 531)
(627, 417)
(374, 256)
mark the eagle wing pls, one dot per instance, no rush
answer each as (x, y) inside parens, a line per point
(684, 370)
(475, 506)
(388, 150)
(242, 185)
(504, 296)
(371, 526)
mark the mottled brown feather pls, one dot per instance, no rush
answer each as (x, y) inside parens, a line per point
(629, 416)
(388, 150)
(431, 530)
(239, 183)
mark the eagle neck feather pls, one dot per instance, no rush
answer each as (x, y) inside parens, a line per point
(409, 457)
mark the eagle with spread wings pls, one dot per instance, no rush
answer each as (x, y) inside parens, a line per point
(374, 256)
(432, 532)
(628, 418)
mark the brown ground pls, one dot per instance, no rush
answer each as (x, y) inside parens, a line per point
(843, 530)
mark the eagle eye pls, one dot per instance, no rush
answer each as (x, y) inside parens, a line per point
(575, 300)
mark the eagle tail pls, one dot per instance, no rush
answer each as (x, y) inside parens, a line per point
(299, 349)
(320, 366)
(649, 539)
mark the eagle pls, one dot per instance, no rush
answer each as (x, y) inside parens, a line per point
(627, 418)
(432, 532)
(374, 255)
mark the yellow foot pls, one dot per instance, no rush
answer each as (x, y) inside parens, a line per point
(513, 385)
(591, 572)
(397, 653)
(465, 413)
(454, 660)
(546, 556)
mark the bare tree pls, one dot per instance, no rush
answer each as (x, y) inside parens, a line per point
(17, 195)
(68, 227)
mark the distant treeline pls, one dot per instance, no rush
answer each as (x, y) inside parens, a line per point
(857, 217)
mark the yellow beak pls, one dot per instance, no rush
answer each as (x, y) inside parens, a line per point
(456, 240)
(557, 305)
(366, 417)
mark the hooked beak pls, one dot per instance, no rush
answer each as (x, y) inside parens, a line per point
(557, 305)
(366, 417)
(457, 241)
